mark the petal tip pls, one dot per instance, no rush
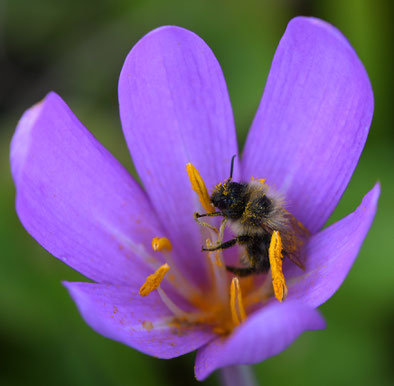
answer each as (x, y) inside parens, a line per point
(166, 35)
(314, 22)
(66, 284)
(371, 199)
(377, 189)
(323, 30)
(168, 28)
(320, 323)
(21, 138)
(71, 287)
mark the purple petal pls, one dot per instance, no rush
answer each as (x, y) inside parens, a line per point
(312, 121)
(331, 254)
(76, 200)
(266, 333)
(144, 323)
(175, 109)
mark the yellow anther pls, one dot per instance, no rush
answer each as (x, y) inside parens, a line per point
(275, 256)
(161, 244)
(153, 281)
(199, 187)
(238, 313)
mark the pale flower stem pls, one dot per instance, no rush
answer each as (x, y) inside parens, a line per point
(237, 376)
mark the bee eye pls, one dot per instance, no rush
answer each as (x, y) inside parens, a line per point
(221, 201)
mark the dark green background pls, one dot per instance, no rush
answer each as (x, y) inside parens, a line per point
(77, 49)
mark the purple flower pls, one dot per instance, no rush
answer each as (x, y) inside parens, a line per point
(82, 206)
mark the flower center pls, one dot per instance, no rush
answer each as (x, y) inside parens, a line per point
(221, 307)
(229, 299)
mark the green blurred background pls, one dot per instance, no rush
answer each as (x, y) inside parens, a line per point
(77, 49)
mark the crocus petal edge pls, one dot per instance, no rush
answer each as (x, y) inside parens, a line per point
(331, 253)
(313, 120)
(144, 323)
(76, 200)
(175, 109)
(264, 334)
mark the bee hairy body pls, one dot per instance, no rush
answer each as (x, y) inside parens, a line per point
(254, 211)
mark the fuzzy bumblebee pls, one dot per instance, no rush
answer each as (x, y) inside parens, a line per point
(254, 212)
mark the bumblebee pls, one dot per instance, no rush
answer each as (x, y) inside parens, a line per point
(254, 211)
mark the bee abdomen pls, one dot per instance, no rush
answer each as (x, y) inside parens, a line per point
(257, 251)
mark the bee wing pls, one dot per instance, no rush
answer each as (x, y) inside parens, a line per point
(293, 234)
(293, 238)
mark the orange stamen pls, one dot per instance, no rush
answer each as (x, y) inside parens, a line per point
(153, 281)
(219, 272)
(199, 187)
(275, 257)
(161, 244)
(238, 313)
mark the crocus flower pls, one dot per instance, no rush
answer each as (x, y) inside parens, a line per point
(82, 206)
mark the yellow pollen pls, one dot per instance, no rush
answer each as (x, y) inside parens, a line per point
(153, 281)
(217, 187)
(161, 243)
(199, 187)
(238, 313)
(275, 256)
(261, 180)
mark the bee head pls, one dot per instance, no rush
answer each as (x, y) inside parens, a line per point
(230, 198)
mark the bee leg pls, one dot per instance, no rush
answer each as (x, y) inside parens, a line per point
(205, 224)
(245, 271)
(197, 215)
(229, 243)
(225, 245)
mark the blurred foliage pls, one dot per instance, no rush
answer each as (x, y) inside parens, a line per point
(77, 48)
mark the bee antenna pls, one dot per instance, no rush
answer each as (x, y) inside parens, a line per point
(232, 166)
